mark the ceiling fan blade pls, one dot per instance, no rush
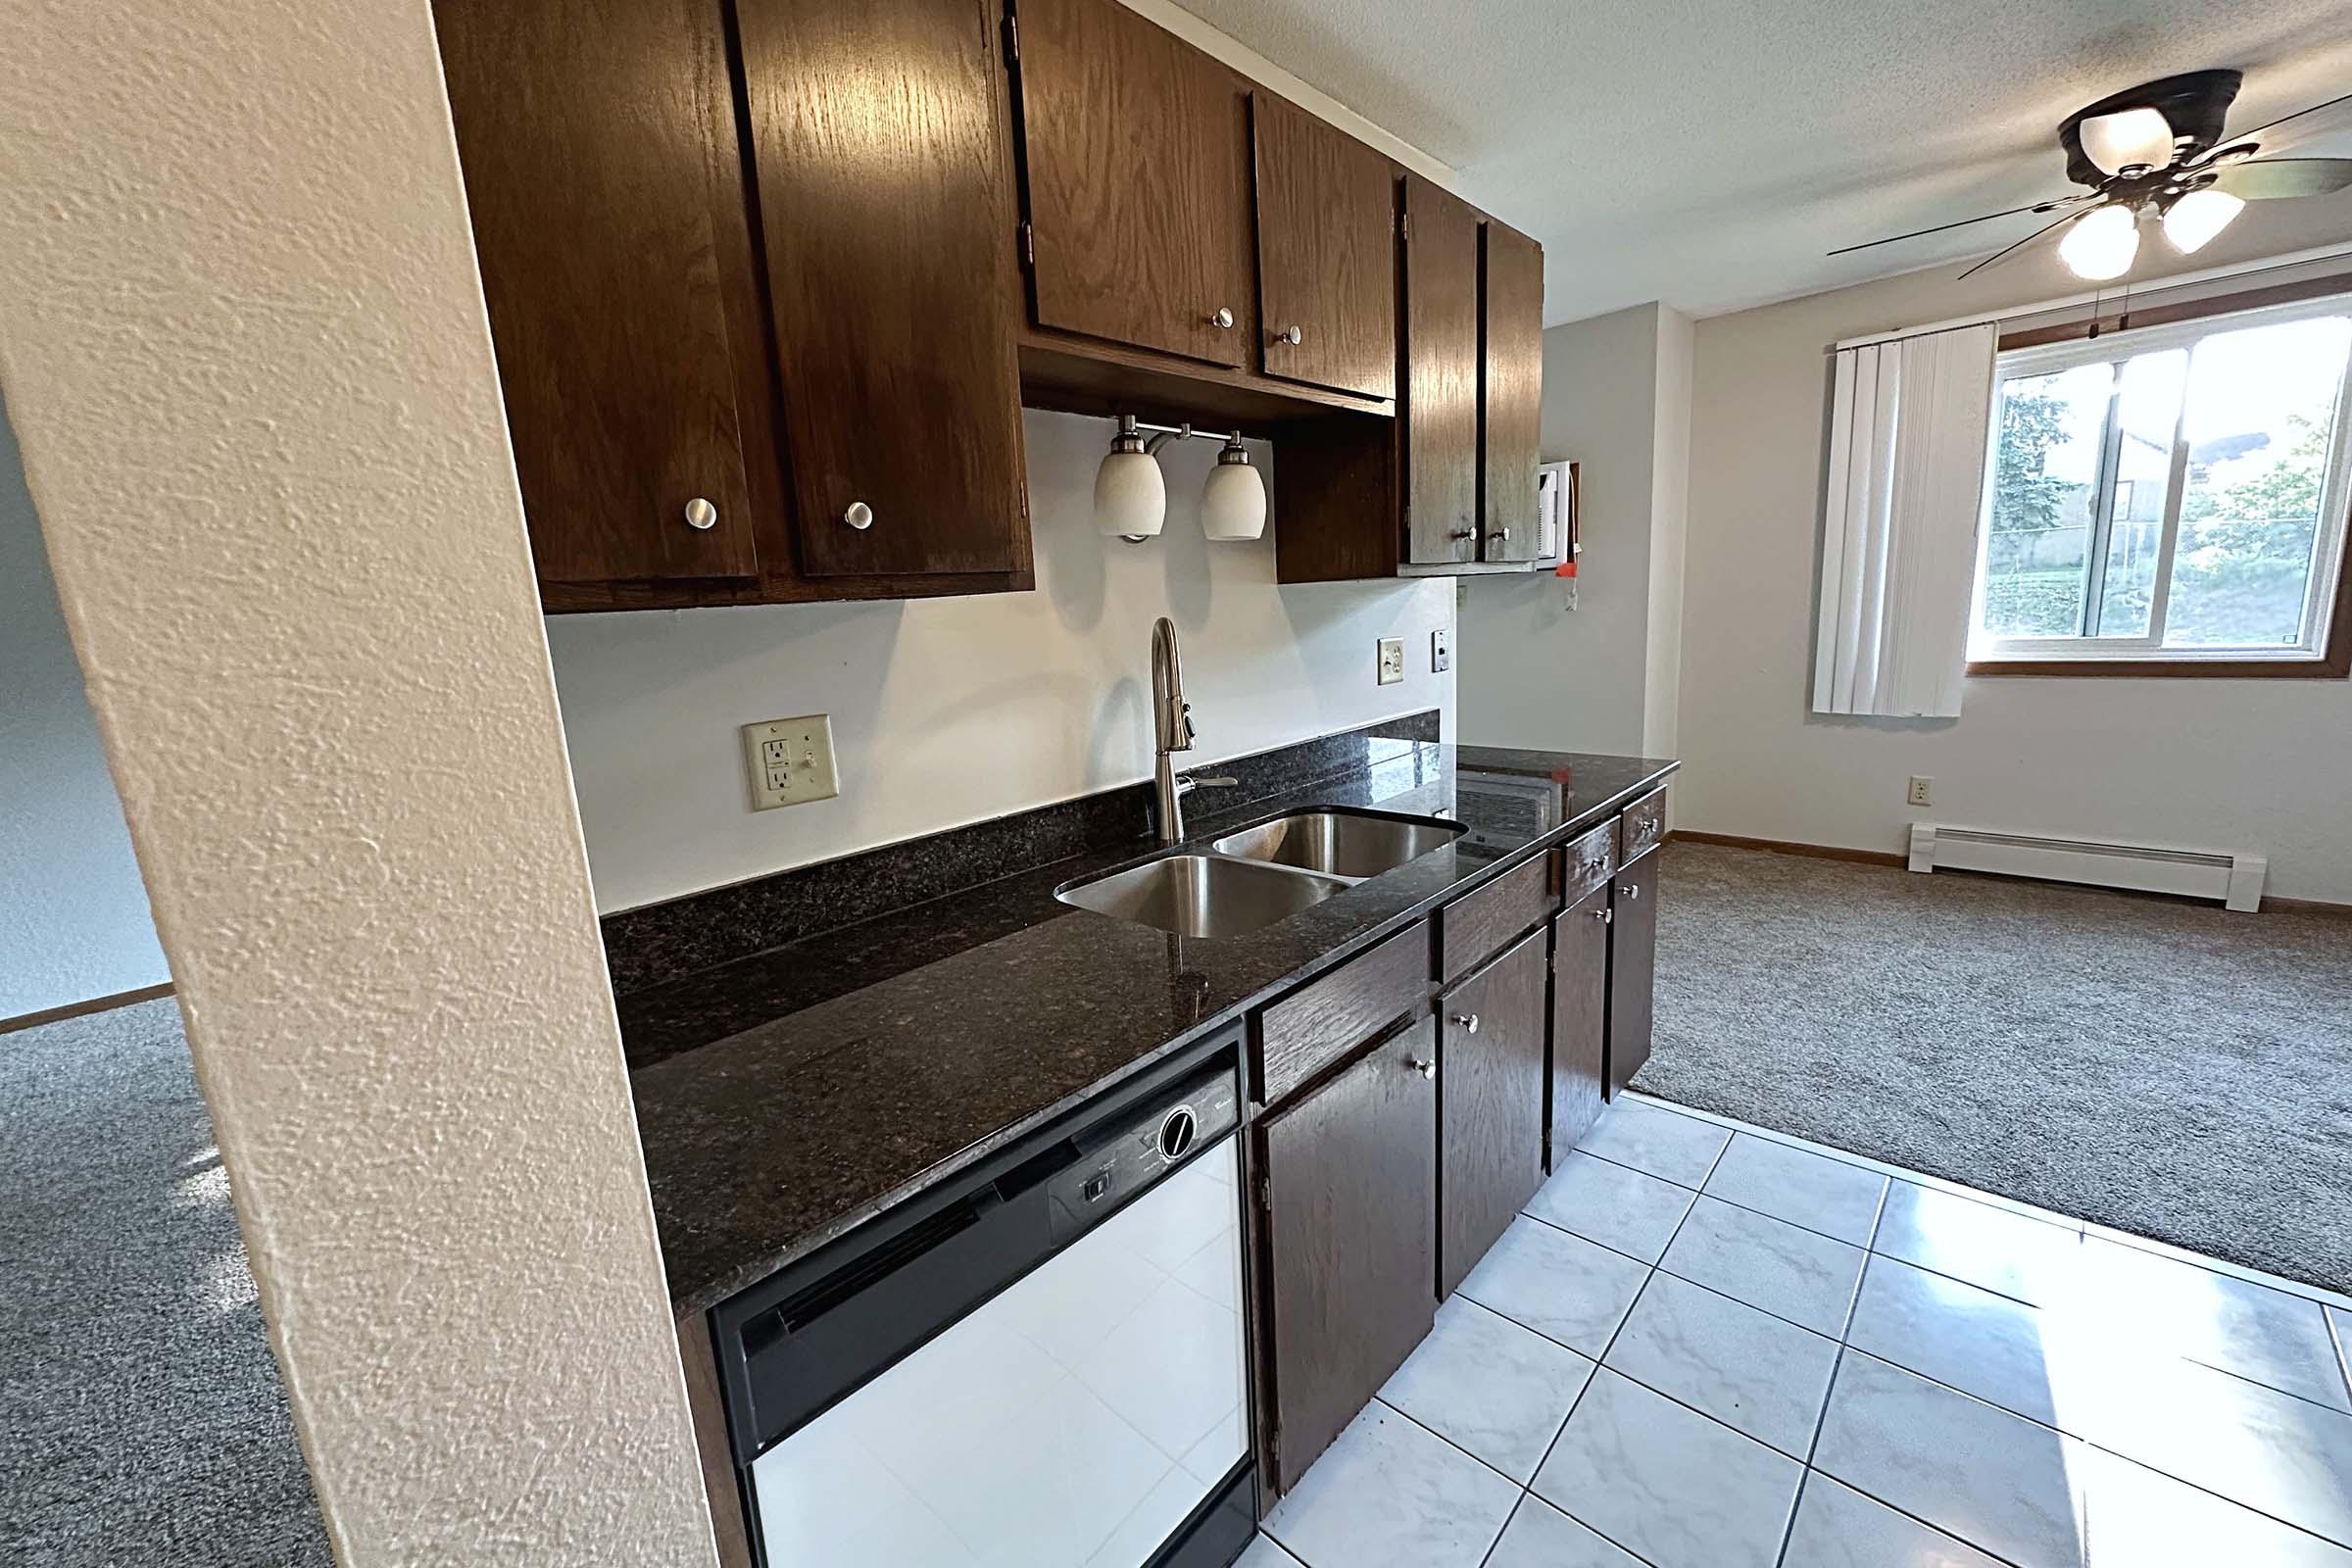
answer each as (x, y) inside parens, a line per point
(2267, 177)
(2331, 103)
(2019, 246)
(2050, 206)
(2128, 138)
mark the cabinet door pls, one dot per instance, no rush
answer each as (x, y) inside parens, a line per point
(1137, 153)
(1511, 395)
(1490, 1105)
(598, 140)
(1580, 1017)
(1349, 1172)
(1440, 407)
(1326, 251)
(1632, 965)
(886, 204)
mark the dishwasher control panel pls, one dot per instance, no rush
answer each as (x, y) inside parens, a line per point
(1119, 1159)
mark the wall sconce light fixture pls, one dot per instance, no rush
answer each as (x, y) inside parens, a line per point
(1131, 495)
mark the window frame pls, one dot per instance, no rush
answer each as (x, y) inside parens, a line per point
(2327, 653)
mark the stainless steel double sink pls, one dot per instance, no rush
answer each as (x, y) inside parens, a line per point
(1253, 878)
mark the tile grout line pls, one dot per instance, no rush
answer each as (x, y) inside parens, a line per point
(1703, 1193)
(2343, 1351)
(2092, 1229)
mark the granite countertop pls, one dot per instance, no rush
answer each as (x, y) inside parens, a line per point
(800, 1091)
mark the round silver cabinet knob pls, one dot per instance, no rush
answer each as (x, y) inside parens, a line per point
(1605, 916)
(1463, 533)
(1221, 319)
(1503, 534)
(859, 516)
(1293, 335)
(1628, 890)
(1468, 1021)
(1427, 1069)
(701, 513)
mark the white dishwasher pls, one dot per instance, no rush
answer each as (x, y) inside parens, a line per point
(1045, 1366)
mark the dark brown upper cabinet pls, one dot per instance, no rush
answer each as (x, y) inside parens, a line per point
(1511, 393)
(1326, 251)
(684, 435)
(604, 216)
(886, 201)
(1136, 159)
(1439, 411)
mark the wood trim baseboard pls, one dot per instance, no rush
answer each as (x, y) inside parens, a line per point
(2271, 901)
(83, 1009)
(1817, 851)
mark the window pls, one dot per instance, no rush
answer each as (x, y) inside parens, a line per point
(2172, 497)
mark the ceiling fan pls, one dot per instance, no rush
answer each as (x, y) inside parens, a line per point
(2157, 147)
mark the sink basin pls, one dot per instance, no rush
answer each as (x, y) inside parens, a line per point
(1201, 895)
(1340, 844)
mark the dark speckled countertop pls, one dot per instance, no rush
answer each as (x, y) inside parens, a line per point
(817, 1084)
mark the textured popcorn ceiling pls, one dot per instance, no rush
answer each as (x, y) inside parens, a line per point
(242, 342)
(1708, 153)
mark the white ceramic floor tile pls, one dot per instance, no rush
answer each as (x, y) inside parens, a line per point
(1540, 1535)
(1155, 1519)
(1265, 1551)
(2340, 1322)
(1391, 1494)
(1836, 1527)
(2275, 1454)
(1748, 1369)
(1999, 1349)
(1629, 1211)
(1664, 1143)
(1484, 1384)
(1787, 1270)
(1805, 1189)
(1995, 1479)
(2141, 1519)
(1562, 1286)
(1993, 1249)
(2270, 1335)
(1677, 1489)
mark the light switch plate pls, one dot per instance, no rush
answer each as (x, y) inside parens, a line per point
(791, 761)
(1441, 651)
(1391, 661)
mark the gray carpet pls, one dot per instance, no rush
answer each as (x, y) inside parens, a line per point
(144, 1417)
(2164, 1067)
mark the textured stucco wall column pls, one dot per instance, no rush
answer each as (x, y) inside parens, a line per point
(242, 342)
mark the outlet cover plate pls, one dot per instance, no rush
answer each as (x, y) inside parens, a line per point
(1922, 790)
(1391, 661)
(1441, 651)
(791, 761)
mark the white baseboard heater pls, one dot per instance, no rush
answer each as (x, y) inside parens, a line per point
(2234, 879)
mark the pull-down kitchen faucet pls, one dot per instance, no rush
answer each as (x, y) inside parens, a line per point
(1172, 726)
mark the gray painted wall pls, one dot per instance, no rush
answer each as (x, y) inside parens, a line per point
(73, 920)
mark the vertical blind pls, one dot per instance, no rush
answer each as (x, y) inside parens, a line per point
(1908, 437)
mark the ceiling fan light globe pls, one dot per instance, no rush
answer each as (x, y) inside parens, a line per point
(2102, 244)
(2197, 217)
(2131, 138)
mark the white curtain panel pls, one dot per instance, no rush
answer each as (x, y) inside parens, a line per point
(1898, 550)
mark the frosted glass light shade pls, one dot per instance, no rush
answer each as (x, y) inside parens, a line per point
(1233, 504)
(1131, 498)
(2115, 142)
(2102, 243)
(2199, 216)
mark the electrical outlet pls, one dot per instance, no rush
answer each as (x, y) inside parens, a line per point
(791, 761)
(1441, 651)
(1922, 790)
(1391, 661)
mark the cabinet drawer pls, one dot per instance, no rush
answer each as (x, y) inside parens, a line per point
(1589, 862)
(1644, 825)
(1478, 925)
(1315, 1024)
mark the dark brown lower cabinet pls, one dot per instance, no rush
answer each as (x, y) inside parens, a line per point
(1632, 965)
(1349, 1173)
(1489, 1105)
(1580, 1017)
